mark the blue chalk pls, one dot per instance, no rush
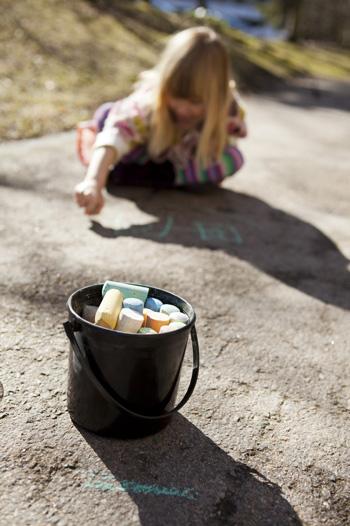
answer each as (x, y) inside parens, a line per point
(134, 304)
(153, 304)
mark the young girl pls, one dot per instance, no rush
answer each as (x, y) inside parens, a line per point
(178, 127)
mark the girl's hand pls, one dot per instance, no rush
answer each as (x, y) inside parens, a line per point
(237, 127)
(242, 130)
(89, 196)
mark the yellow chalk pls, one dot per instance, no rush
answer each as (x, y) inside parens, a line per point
(109, 309)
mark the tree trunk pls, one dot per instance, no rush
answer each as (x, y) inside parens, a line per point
(291, 16)
(297, 14)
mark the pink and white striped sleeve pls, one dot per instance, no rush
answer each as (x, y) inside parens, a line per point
(126, 126)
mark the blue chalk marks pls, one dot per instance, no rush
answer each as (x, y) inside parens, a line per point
(218, 232)
(136, 487)
(167, 227)
(206, 232)
(107, 482)
(177, 229)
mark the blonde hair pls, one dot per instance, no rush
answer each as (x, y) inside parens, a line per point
(194, 66)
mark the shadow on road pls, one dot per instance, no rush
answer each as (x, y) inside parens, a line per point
(279, 244)
(314, 93)
(206, 486)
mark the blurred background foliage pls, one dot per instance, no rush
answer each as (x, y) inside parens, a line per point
(319, 20)
(60, 59)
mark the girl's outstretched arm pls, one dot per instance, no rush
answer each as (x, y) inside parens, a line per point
(88, 193)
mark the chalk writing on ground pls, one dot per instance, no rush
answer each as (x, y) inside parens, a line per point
(107, 482)
(218, 232)
(206, 232)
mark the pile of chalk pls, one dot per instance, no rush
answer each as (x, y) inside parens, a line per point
(128, 308)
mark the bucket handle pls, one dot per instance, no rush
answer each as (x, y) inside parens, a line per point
(114, 400)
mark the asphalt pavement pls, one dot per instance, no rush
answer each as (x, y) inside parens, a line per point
(264, 260)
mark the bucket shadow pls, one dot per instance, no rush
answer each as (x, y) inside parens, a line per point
(277, 243)
(180, 476)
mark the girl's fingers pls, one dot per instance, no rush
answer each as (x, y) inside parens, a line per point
(81, 199)
(91, 207)
(99, 207)
(243, 130)
(94, 207)
(90, 200)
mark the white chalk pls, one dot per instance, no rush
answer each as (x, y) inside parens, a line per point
(173, 326)
(179, 316)
(129, 321)
(166, 308)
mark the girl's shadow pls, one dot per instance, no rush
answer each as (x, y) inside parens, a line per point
(179, 476)
(285, 247)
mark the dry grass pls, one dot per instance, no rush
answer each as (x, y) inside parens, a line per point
(60, 59)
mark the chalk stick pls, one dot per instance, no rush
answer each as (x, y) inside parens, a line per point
(129, 321)
(173, 326)
(155, 320)
(134, 304)
(178, 316)
(109, 309)
(145, 314)
(146, 330)
(153, 304)
(89, 313)
(166, 308)
(128, 291)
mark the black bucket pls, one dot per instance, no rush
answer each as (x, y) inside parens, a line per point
(123, 384)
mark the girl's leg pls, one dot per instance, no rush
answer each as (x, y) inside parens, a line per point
(229, 163)
(149, 174)
(231, 160)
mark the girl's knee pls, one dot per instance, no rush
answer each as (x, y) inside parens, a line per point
(232, 161)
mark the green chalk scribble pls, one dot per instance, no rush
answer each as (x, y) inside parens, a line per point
(107, 482)
(237, 236)
(218, 233)
(167, 227)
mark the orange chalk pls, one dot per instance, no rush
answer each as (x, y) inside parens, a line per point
(145, 315)
(156, 320)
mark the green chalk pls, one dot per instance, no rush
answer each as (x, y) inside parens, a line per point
(128, 291)
(146, 330)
